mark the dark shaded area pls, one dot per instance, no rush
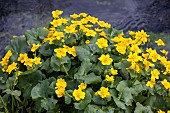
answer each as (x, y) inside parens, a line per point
(17, 16)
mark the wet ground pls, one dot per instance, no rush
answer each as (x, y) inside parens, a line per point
(17, 16)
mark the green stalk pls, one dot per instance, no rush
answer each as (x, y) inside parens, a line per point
(65, 69)
(4, 104)
(12, 104)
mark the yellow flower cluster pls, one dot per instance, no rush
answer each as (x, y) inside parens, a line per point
(60, 87)
(154, 75)
(61, 52)
(111, 78)
(160, 111)
(78, 93)
(23, 58)
(5, 60)
(103, 92)
(79, 22)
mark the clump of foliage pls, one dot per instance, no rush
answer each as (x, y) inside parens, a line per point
(83, 65)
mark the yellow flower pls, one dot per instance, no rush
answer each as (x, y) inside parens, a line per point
(72, 51)
(93, 20)
(121, 48)
(56, 23)
(147, 64)
(8, 54)
(113, 71)
(58, 35)
(135, 49)
(105, 59)
(35, 47)
(150, 83)
(78, 94)
(82, 86)
(29, 62)
(22, 57)
(166, 84)
(155, 73)
(168, 111)
(109, 78)
(14, 36)
(160, 111)
(83, 14)
(4, 62)
(60, 92)
(131, 33)
(60, 87)
(164, 52)
(87, 41)
(56, 13)
(160, 42)
(103, 34)
(154, 56)
(141, 37)
(102, 43)
(74, 16)
(90, 33)
(60, 52)
(11, 67)
(104, 92)
(37, 60)
(133, 57)
(98, 30)
(61, 83)
(70, 29)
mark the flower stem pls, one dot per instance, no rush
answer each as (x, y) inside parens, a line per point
(4, 104)
(65, 69)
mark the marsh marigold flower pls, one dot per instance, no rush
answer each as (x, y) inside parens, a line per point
(90, 33)
(160, 42)
(109, 78)
(29, 62)
(60, 87)
(160, 111)
(164, 52)
(103, 92)
(35, 47)
(133, 57)
(22, 57)
(37, 60)
(8, 54)
(150, 83)
(56, 13)
(11, 67)
(60, 52)
(102, 43)
(72, 51)
(82, 86)
(78, 94)
(105, 59)
(113, 71)
(166, 84)
(87, 41)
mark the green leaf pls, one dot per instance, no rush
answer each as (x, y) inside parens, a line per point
(55, 63)
(93, 48)
(46, 49)
(122, 84)
(34, 34)
(92, 79)
(48, 103)
(119, 103)
(94, 109)
(82, 53)
(46, 66)
(98, 100)
(128, 98)
(84, 68)
(17, 45)
(42, 90)
(67, 99)
(142, 109)
(15, 92)
(156, 101)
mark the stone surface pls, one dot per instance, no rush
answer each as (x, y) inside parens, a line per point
(17, 16)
